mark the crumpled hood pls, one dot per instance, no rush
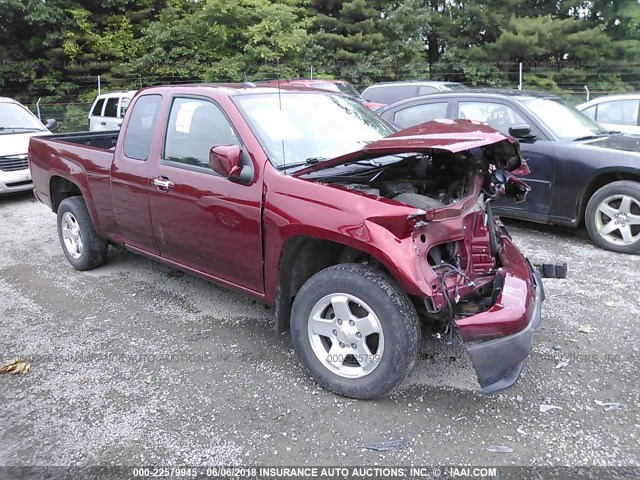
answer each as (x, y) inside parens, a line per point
(449, 135)
(17, 143)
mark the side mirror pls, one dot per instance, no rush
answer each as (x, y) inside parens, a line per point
(226, 160)
(510, 186)
(521, 130)
(51, 123)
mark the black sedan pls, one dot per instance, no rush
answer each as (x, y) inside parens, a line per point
(579, 171)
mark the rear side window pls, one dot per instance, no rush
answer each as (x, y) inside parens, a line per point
(111, 109)
(137, 141)
(420, 113)
(97, 108)
(389, 93)
(194, 127)
(619, 112)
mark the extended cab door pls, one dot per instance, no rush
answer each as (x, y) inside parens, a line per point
(201, 220)
(130, 173)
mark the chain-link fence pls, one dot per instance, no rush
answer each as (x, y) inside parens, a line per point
(575, 83)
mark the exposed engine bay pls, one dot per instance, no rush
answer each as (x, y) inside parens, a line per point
(423, 180)
(420, 181)
(464, 272)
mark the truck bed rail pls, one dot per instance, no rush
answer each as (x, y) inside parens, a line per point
(105, 140)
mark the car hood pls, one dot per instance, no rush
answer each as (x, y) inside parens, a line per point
(622, 142)
(12, 143)
(449, 135)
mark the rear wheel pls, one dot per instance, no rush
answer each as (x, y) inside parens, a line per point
(80, 243)
(355, 331)
(612, 217)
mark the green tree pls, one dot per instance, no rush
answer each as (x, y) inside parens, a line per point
(348, 38)
(217, 40)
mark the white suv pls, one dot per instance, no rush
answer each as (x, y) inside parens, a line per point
(108, 109)
(17, 126)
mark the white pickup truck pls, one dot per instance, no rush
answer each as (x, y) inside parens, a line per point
(17, 126)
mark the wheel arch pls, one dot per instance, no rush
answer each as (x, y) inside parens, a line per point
(304, 256)
(61, 188)
(600, 180)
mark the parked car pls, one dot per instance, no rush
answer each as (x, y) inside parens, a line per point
(580, 172)
(326, 84)
(243, 187)
(108, 109)
(17, 126)
(391, 92)
(615, 112)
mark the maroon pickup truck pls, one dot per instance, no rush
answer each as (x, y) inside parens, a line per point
(306, 200)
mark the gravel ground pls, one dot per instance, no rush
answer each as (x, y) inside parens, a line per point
(135, 363)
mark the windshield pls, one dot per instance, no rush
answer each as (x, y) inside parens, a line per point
(299, 127)
(564, 122)
(15, 116)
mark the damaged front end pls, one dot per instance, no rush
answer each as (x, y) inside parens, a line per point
(470, 275)
(483, 286)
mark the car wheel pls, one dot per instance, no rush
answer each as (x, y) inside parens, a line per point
(355, 331)
(612, 217)
(80, 243)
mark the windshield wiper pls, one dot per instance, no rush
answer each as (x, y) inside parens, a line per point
(589, 137)
(308, 161)
(18, 128)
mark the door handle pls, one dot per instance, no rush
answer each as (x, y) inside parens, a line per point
(103, 123)
(163, 183)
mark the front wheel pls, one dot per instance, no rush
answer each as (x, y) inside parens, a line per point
(80, 243)
(355, 331)
(612, 217)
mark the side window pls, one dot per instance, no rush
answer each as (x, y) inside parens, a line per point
(111, 109)
(97, 108)
(498, 116)
(397, 93)
(420, 114)
(137, 140)
(124, 104)
(390, 93)
(590, 112)
(424, 90)
(620, 112)
(194, 127)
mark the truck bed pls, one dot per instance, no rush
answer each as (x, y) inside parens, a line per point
(82, 160)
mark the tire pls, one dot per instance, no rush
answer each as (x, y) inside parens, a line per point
(387, 346)
(612, 217)
(81, 245)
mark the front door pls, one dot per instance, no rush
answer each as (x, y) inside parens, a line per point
(200, 219)
(538, 153)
